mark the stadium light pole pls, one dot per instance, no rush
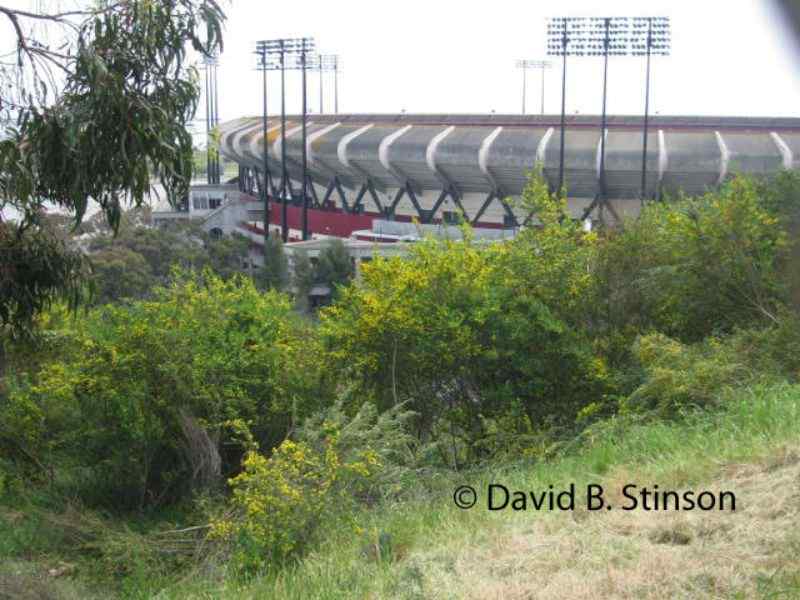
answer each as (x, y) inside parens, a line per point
(604, 37)
(321, 83)
(606, 40)
(217, 174)
(212, 118)
(208, 122)
(522, 64)
(284, 170)
(266, 63)
(336, 84)
(306, 47)
(651, 35)
(544, 65)
(565, 38)
(525, 64)
(326, 62)
(280, 48)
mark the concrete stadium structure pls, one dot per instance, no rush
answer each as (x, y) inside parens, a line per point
(433, 166)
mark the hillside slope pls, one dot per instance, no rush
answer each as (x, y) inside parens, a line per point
(751, 448)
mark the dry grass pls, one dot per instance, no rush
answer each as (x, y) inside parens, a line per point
(640, 554)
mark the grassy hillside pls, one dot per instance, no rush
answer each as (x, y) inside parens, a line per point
(438, 551)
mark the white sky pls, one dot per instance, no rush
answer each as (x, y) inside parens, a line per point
(730, 57)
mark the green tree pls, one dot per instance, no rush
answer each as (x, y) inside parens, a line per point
(694, 267)
(334, 267)
(303, 276)
(274, 274)
(94, 118)
(448, 331)
(186, 246)
(153, 394)
(228, 255)
(119, 272)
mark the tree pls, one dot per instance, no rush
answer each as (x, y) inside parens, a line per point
(457, 332)
(275, 273)
(205, 362)
(695, 266)
(94, 117)
(157, 251)
(121, 273)
(334, 267)
(228, 255)
(303, 277)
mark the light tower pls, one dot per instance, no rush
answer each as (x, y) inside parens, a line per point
(525, 64)
(326, 62)
(280, 48)
(210, 64)
(650, 35)
(604, 37)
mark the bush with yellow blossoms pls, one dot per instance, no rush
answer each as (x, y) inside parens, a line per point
(335, 464)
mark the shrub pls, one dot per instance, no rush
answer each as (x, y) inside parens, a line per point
(461, 330)
(773, 350)
(694, 267)
(142, 384)
(279, 501)
(680, 377)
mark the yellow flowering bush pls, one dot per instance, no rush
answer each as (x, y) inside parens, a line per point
(278, 502)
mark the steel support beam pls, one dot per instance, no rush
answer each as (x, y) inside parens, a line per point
(486, 203)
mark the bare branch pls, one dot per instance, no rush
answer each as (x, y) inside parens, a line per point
(58, 17)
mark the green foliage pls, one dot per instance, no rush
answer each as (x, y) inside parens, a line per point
(275, 272)
(334, 267)
(773, 350)
(145, 381)
(384, 434)
(694, 267)
(449, 330)
(603, 349)
(303, 276)
(279, 502)
(227, 255)
(554, 261)
(36, 270)
(121, 273)
(679, 378)
(128, 93)
(132, 263)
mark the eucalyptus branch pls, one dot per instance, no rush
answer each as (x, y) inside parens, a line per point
(57, 17)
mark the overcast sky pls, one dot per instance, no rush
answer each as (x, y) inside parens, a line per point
(730, 57)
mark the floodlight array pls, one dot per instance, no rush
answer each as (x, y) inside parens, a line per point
(304, 45)
(330, 62)
(268, 63)
(321, 62)
(651, 34)
(534, 64)
(608, 36)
